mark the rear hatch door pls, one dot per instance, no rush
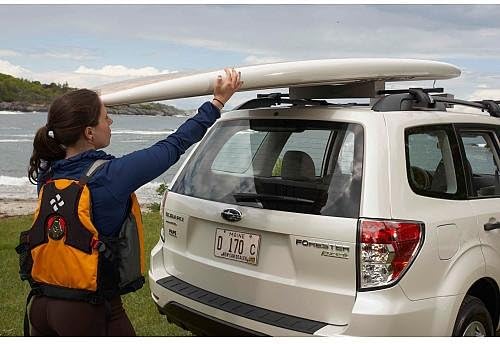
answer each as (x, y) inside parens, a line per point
(265, 213)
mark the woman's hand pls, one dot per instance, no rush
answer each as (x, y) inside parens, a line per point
(225, 87)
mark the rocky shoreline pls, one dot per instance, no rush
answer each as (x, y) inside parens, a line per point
(150, 109)
(23, 107)
(17, 207)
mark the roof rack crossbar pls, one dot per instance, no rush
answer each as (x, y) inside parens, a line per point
(422, 100)
(486, 105)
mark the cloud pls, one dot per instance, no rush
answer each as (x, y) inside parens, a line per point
(121, 71)
(253, 60)
(82, 77)
(282, 31)
(211, 36)
(74, 80)
(8, 68)
(67, 54)
(486, 94)
(478, 85)
(332, 30)
(8, 53)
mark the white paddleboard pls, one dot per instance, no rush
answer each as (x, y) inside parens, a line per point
(277, 75)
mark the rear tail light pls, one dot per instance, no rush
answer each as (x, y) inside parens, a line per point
(386, 250)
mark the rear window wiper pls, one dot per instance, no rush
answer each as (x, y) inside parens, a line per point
(246, 197)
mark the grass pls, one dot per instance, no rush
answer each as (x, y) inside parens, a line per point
(140, 307)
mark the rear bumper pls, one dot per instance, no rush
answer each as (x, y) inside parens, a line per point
(386, 312)
(199, 316)
(201, 324)
(189, 316)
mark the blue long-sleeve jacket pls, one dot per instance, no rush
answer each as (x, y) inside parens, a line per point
(112, 184)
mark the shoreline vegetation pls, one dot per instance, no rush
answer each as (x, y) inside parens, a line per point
(23, 95)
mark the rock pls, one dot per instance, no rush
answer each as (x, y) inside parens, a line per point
(150, 109)
(23, 107)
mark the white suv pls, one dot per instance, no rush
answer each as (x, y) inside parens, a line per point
(300, 217)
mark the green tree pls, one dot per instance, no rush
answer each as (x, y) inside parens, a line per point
(21, 90)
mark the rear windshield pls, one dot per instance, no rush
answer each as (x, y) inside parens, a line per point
(311, 167)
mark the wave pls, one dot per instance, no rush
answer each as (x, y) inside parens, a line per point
(17, 135)
(14, 181)
(141, 132)
(17, 181)
(21, 188)
(134, 141)
(14, 140)
(4, 112)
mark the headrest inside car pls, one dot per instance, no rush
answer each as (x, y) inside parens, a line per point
(297, 165)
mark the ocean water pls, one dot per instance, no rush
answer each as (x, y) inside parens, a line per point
(128, 133)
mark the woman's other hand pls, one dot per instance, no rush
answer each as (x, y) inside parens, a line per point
(225, 87)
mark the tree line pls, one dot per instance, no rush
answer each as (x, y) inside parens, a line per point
(18, 94)
(21, 90)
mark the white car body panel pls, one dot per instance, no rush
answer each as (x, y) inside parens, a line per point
(293, 280)
(190, 257)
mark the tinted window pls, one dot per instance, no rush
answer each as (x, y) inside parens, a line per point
(311, 167)
(432, 154)
(311, 142)
(482, 162)
(237, 153)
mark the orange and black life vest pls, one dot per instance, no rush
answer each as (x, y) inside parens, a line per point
(64, 256)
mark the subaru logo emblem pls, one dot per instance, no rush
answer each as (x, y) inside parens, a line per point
(231, 214)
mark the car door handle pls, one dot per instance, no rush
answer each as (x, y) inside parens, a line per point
(491, 226)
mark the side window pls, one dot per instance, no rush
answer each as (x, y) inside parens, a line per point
(431, 167)
(346, 155)
(482, 162)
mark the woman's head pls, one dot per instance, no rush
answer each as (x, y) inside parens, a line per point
(74, 118)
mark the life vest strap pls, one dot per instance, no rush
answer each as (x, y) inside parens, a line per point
(91, 171)
(70, 294)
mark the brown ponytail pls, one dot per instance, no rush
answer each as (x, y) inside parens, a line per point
(67, 119)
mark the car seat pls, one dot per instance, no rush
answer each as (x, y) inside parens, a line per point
(297, 165)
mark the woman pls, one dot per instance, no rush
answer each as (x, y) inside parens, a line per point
(65, 148)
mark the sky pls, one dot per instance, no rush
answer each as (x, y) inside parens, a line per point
(90, 45)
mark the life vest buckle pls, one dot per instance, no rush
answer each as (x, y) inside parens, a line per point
(98, 245)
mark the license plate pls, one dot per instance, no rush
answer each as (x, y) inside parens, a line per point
(239, 246)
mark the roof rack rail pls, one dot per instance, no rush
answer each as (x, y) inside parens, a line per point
(419, 99)
(271, 99)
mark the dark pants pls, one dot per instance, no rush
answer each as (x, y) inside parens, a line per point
(55, 317)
